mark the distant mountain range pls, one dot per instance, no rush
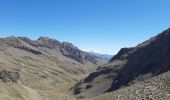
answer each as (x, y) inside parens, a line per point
(105, 57)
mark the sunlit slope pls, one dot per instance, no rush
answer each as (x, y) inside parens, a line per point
(42, 69)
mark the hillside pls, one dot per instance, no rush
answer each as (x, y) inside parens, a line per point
(128, 67)
(156, 88)
(41, 69)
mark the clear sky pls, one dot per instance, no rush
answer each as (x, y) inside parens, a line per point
(102, 26)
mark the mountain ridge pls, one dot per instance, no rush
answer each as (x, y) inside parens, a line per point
(45, 66)
(129, 66)
(52, 44)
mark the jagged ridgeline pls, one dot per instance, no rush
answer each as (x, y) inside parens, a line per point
(130, 66)
(43, 68)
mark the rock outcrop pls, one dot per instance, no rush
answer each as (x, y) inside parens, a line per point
(9, 76)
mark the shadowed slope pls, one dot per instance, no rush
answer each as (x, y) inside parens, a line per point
(129, 66)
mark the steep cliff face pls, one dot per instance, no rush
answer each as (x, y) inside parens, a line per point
(69, 50)
(129, 66)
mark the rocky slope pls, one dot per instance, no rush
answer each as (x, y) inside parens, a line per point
(129, 66)
(157, 88)
(45, 67)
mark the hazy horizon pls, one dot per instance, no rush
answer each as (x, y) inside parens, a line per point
(102, 26)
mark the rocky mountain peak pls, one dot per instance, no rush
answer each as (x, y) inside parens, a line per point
(12, 38)
(68, 45)
(28, 40)
(69, 50)
(13, 41)
(47, 42)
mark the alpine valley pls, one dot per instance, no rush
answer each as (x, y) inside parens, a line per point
(47, 69)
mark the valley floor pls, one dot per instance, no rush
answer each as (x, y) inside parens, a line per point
(157, 88)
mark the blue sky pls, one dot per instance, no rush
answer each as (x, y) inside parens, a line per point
(103, 26)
